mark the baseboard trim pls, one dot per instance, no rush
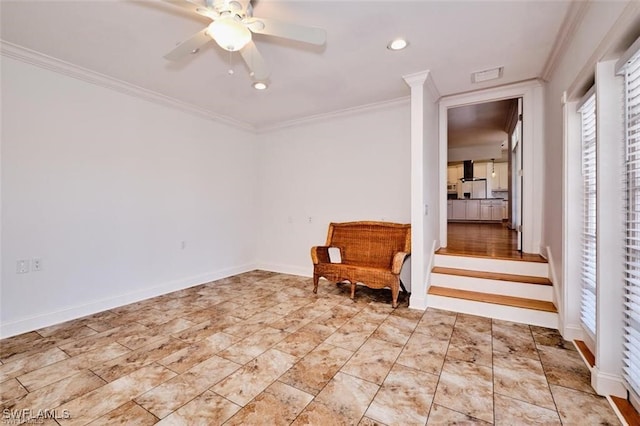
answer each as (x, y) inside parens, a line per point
(286, 269)
(36, 322)
(606, 384)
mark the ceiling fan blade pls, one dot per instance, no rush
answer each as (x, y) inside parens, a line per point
(195, 6)
(191, 45)
(255, 61)
(272, 27)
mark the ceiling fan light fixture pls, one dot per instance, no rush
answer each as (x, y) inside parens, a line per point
(260, 85)
(397, 44)
(229, 33)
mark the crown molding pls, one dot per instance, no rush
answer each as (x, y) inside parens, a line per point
(40, 60)
(568, 28)
(334, 114)
(424, 79)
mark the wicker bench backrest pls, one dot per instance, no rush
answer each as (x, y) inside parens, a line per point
(369, 243)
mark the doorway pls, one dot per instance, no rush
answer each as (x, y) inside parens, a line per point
(525, 199)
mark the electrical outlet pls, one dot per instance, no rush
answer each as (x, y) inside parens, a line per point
(310, 219)
(23, 266)
(183, 245)
(36, 264)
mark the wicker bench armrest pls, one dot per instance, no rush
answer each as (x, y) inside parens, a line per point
(398, 260)
(320, 254)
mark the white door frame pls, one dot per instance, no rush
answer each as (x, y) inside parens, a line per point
(532, 132)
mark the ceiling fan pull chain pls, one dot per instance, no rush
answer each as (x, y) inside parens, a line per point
(230, 69)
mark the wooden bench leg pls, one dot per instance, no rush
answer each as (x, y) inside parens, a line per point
(394, 297)
(316, 278)
(353, 291)
(404, 289)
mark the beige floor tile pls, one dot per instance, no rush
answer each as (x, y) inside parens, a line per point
(467, 388)
(471, 344)
(550, 337)
(249, 381)
(58, 393)
(395, 329)
(373, 360)
(581, 408)
(316, 369)
(250, 347)
(29, 363)
(132, 361)
(424, 353)
(103, 339)
(442, 416)
(68, 367)
(511, 411)
(404, 398)
(279, 404)
(129, 414)
(348, 396)
(107, 398)
(521, 378)
(10, 390)
(172, 394)
(565, 368)
(352, 334)
(182, 360)
(513, 338)
(75, 329)
(154, 332)
(311, 359)
(320, 414)
(206, 409)
(366, 421)
(299, 343)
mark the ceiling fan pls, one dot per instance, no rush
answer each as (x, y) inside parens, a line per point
(232, 28)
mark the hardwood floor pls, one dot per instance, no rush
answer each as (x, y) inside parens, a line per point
(493, 240)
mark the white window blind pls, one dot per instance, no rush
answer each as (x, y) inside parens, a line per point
(588, 258)
(632, 235)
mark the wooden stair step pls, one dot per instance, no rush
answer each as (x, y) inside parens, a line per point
(527, 279)
(517, 302)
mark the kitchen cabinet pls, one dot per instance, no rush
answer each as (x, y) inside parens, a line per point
(459, 209)
(454, 173)
(473, 210)
(501, 180)
(491, 210)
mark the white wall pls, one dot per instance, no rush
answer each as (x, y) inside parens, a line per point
(351, 167)
(605, 29)
(573, 73)
(104, 187)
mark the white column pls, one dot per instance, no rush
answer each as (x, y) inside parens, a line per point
(425, 183)
(606, 378)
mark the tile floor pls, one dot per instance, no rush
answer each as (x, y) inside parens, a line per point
(261, 348)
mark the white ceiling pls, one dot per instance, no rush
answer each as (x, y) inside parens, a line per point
(126, 40)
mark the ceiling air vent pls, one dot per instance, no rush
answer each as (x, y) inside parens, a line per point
(486, 75)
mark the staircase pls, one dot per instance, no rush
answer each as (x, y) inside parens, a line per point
(511, 290)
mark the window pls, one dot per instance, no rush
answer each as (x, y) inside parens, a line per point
(588, 258)
(631, 70)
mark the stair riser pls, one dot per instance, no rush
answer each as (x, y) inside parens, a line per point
(484, 285)
(488, 310)
(535, 269)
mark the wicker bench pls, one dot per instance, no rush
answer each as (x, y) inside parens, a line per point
(372, 253)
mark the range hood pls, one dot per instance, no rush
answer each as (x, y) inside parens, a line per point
(468, 172)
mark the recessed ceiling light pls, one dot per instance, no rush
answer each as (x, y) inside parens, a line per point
(259, 85)
(397, 44)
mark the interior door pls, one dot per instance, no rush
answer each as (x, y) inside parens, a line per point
(517, 176)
